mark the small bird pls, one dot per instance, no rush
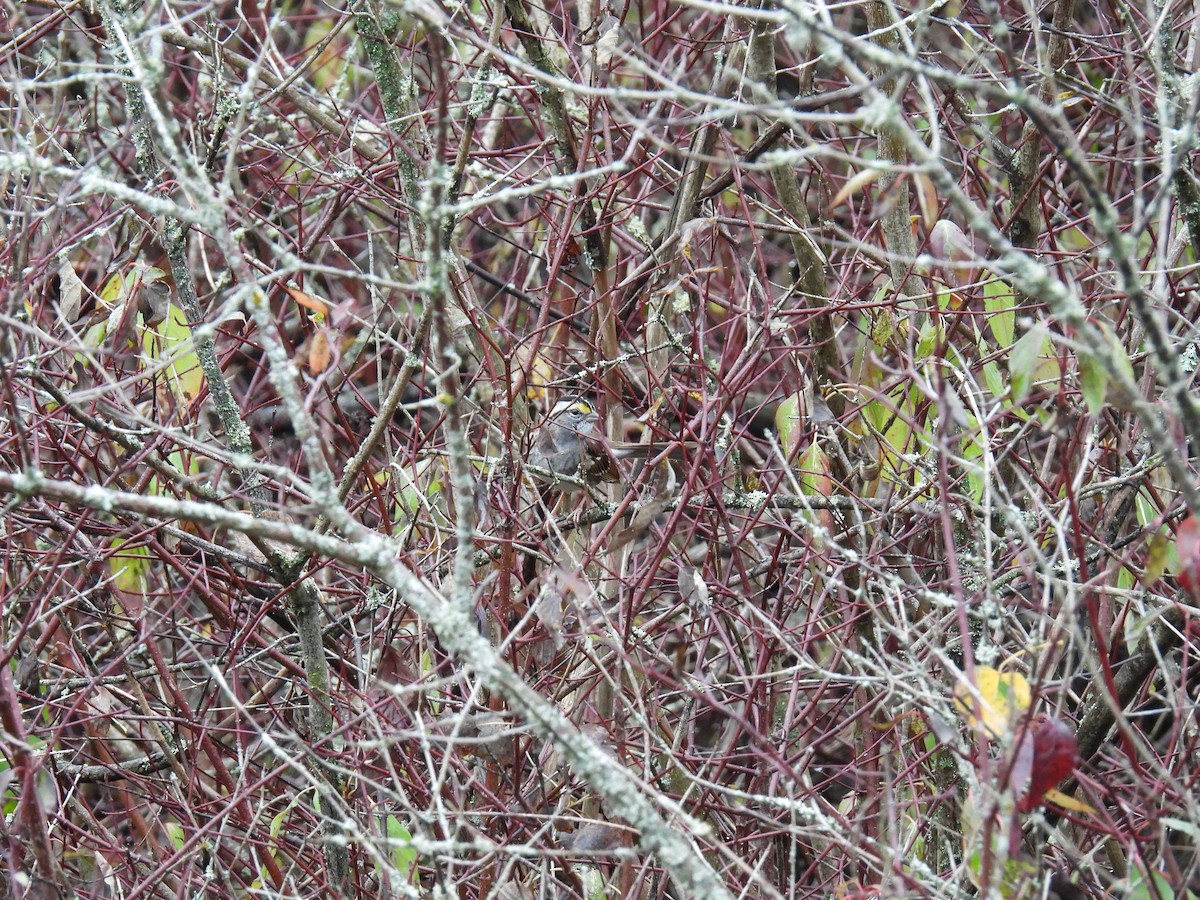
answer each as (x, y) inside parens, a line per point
(570, 452)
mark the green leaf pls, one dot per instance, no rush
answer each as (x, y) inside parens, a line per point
(419, 487)
(1191, 829)
(1125, 579)
(883, 327)
(1147, 510)
(1117, 356)
(973, 447)
(787, 423)
(173, 342)
(813, 467)
(175, 834)
(400, 849)
(595, 883)
(1024, 358)
(277, 821)
(1139, 889)
(930, 337)
(1000, 304)
(994, 379)
(10, 788)
(329, 65)
(1160, 554)
(1093, 382)
(891, 422)
(184, 462)
(130, 567)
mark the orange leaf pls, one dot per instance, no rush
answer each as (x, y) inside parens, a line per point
(318, 353)
(308, 301)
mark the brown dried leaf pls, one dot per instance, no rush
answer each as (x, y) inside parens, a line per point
(855, 184)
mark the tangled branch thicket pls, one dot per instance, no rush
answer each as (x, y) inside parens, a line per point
(897, 301)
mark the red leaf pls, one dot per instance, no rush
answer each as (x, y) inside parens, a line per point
(1055, 755)
(1187, 545)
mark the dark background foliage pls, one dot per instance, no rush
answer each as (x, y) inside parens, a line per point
(901, 296)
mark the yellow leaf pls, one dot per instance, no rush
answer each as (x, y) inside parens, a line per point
(1062, 801)
(1002, 697)
(539, 376)
(1067, 99)
(1158, 558)
(113, 290)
